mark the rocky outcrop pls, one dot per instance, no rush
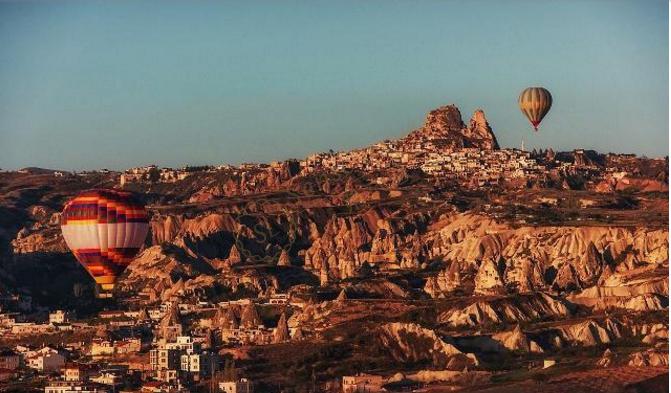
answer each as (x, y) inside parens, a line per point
(479, 133)
(377, 288)
(316, 316)
(516, 340)
(523, 275)
(249, 317)
(342, 296)
(657, 334)
(446, 282)
(170, 326)
(488, 279)
(348, 245)
(411, 343)
(649, 358)
(608, 359)
(334, 248)
(246, 182)
(284, 259)
(234, 257)
(226, 319)
(527, 259)
(507, 310)
(562, 258)
(589, 267)
(646, 302)
(590, 333)
(444, 128)
(165, 271)
(40, 239)
(339, 249)
(281, 332)
(626, 183)
(641, 289)
(456, 378)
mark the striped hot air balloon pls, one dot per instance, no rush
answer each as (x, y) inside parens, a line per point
(105, 230)
(535, 103)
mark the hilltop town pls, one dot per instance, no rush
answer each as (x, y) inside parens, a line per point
(437, 261)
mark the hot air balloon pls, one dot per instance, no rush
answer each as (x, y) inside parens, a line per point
(535, 103)
(105, 230)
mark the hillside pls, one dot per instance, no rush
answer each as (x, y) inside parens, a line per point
(399, 257)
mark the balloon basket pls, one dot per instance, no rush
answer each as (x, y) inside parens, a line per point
(102, 292)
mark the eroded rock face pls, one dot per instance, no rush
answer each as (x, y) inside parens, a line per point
(248, 182)
(284, 259)
(608, 359)
(49, 240)
(507, 310)
(411, 343)
(311, 312)
(377, 289)
(479, 133)
(446, 282)
(523, 275)
(558, 258)
(168, 271)
(444, 127)
(249, 317)
(611, 183)
(42, 235)
(334, 248)
(516, 340)
(527, 259)
(472, 237)
(488, 280)
(650, 357)
(645, 302)
(164, 263)
(590, 333)
(347, 245)
(281, 332)
(594, 332)
(658, 333)
(642, 289)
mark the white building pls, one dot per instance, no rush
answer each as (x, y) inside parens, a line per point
(241, 386)
(46, 359)
(107, 378)
(199, 363)
(164, 359)
(72, 387)
(184, 343)
(78, 372)
(279, 299)
(362, 383)
(58, 316)
(30, 328)
(9, 319)
(102, 348)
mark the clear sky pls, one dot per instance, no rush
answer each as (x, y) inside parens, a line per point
(117, 84)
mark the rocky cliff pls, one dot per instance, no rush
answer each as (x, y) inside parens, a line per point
(444, 128)
(413, 344)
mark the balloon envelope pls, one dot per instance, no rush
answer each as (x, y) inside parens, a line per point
(104, 229)
(535, 103)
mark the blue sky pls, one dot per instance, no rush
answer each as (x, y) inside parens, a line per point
(116, 84)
